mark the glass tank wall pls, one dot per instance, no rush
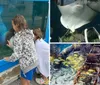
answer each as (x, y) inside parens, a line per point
(35, 12)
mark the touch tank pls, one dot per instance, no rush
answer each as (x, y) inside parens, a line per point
(76, 64)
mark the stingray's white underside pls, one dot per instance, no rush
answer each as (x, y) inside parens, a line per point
(76, 15)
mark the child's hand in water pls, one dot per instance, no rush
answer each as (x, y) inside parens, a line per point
(6, 58)
(9, 44)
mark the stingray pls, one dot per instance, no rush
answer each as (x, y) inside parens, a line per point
(76, 13)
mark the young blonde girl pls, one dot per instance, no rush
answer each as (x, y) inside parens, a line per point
(24, 49)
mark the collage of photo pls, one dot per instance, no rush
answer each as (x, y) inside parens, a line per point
(49, 42)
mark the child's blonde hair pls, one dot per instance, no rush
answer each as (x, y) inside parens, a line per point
(38, 33)
(20, 21)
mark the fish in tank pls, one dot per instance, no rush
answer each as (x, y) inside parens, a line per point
(75, 64)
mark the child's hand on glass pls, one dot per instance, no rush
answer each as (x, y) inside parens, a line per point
(9, 44)
(6, 58)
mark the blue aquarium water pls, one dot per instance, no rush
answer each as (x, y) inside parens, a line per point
(3, 28)
(63, 46)
(59, 47)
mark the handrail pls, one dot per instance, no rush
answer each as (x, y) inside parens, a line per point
(4, 65)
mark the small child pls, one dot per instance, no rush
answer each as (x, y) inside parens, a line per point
(24, 49)
(43, 50)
